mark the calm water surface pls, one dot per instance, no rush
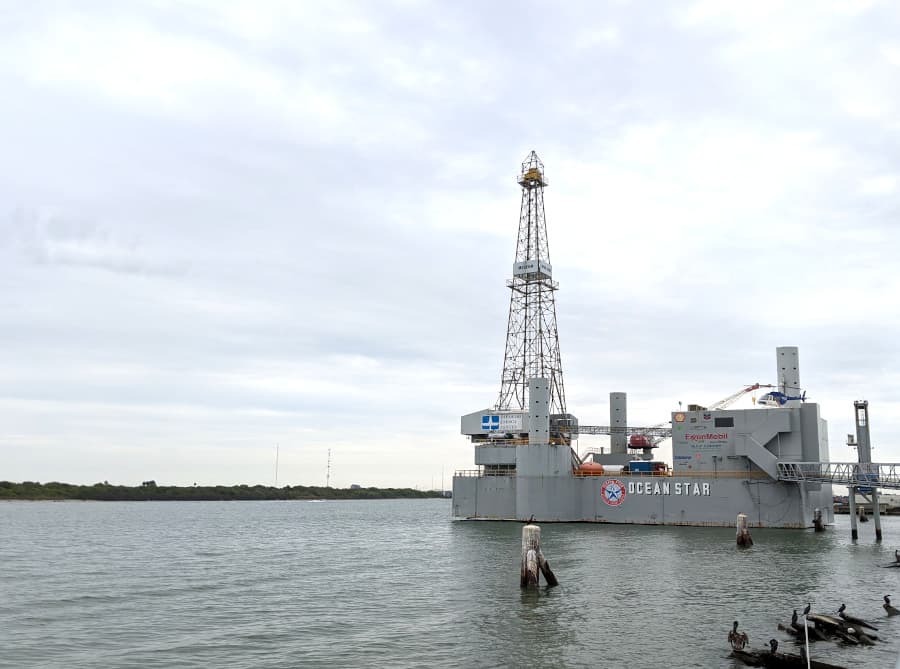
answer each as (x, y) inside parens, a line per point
(397, 584)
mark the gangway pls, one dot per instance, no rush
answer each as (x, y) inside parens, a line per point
(663, 432)
(863, 474)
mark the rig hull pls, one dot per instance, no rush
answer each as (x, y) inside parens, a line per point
(641, 500)
(724, 463)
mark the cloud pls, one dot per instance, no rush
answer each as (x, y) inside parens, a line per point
(47, 238)
(226, 227)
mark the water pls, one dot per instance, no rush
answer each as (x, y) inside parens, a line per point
(396, 584)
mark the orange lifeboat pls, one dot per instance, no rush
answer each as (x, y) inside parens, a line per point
(589, 469)
(639, 441)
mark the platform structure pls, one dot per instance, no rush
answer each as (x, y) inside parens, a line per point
(725, 462)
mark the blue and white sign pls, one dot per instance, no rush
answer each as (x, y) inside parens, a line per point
(490, 423)
(505, 422)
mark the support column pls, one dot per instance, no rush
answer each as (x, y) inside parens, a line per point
(618, 423)
(876, 514)
(804, 504)
(854, 533)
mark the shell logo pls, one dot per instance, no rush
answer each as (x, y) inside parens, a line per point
(679, 417)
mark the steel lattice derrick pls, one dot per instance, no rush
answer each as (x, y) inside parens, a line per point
(532, 338)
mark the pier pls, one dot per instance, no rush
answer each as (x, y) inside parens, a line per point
(843, 473)
(861, 478)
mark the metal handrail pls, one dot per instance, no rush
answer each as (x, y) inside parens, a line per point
(479, 473)
(886, 475)
(663, 432)
(518, 441)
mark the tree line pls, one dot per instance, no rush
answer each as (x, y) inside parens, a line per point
(150, 491)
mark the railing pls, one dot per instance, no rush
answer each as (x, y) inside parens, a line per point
(587, 473)
(501, 443)
(606, 429)
(493, 471)
(517, 441)
(883, 475)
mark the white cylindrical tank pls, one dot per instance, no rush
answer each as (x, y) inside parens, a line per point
(618, 421)
(788, 366)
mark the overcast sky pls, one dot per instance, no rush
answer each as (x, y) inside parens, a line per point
(231, 226)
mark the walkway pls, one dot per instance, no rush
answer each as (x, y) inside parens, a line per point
(887, 475)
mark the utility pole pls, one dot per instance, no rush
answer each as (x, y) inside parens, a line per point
(276, 465)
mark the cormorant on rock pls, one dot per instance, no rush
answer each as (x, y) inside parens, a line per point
(891, 611)
(806, 610)
(773, 645)
(737, 639)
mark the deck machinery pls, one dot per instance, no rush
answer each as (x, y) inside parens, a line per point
(725, 461)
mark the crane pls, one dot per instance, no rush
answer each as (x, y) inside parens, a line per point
(731, 399)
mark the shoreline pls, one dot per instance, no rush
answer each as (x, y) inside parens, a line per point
(30, 491)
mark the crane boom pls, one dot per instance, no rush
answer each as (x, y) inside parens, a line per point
(728, 401)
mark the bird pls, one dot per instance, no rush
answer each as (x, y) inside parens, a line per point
(891, 611)
(737, 639)
(854, 619)
(773, 645)
(810, 631)
(806, 610)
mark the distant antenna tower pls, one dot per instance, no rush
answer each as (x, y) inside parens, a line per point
(328, 471)
(532, 341)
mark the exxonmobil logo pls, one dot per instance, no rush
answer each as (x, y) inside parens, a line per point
(707, 436)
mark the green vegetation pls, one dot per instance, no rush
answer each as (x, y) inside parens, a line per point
(149, 490)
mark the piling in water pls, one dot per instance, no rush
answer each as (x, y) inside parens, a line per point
(744, 540)
(817, 521)
(533, 562)
(876, 514)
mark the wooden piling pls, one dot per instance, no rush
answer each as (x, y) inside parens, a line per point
(533, 562)
(744, 540)
(531, 545)
(817, 521)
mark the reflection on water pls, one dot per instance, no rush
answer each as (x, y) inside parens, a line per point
(396, 583)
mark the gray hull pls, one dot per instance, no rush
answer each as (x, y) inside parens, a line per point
(646, 500)
(724, 463)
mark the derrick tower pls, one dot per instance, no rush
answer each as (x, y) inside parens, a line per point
(532, 340)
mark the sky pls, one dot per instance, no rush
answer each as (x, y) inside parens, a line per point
(236, 230)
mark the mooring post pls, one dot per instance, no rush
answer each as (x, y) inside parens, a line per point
(854, 533)
(817, 521)
(744, 540)
(876, 516)
(533, 562)
(549, 576)
(531, 545)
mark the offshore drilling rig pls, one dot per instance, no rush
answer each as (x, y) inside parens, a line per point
(725, 461)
